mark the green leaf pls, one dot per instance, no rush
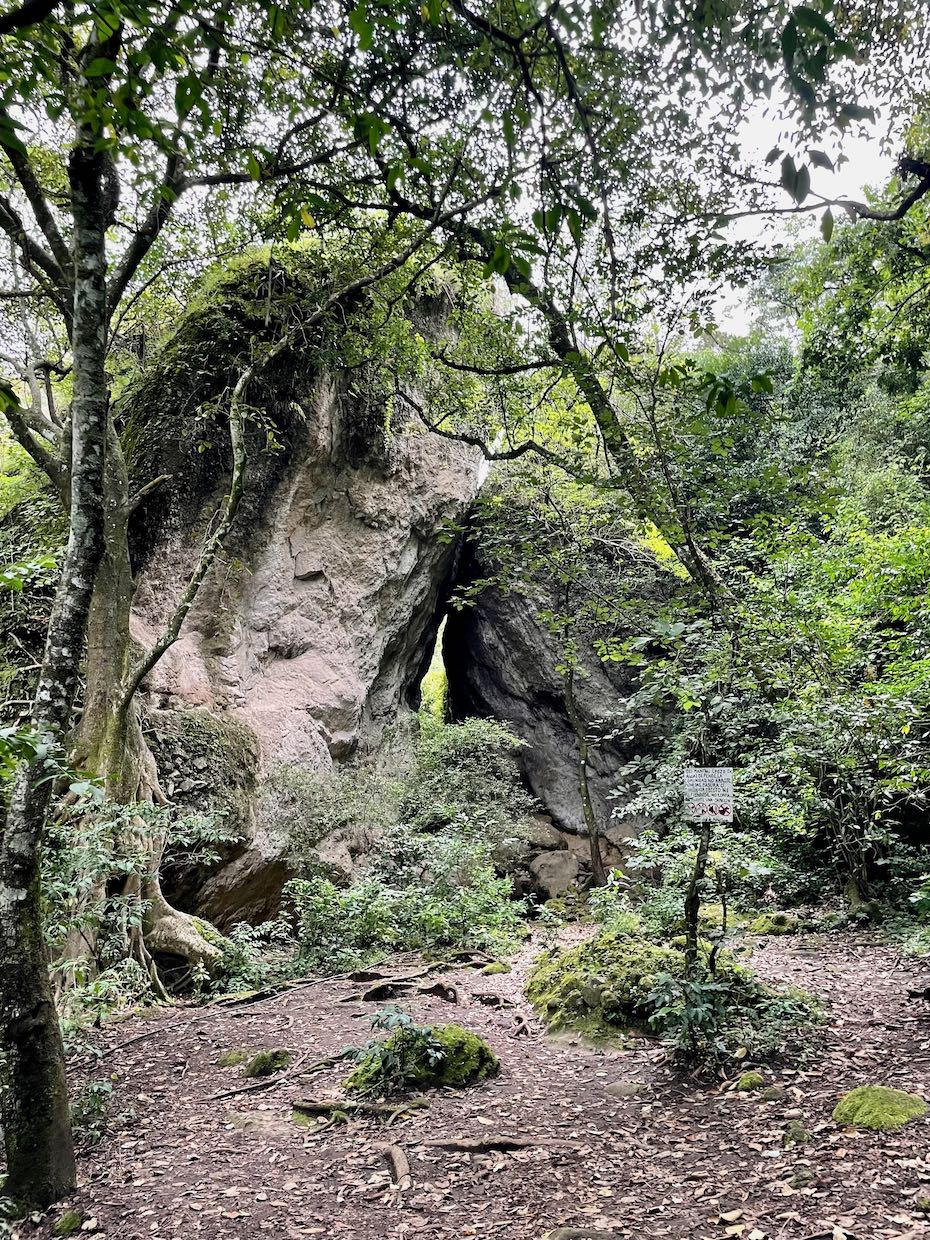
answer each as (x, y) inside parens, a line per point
(820, 160)
(789, 42)
(826, 224)
(358, 20)
(812, 20)
(100, 67)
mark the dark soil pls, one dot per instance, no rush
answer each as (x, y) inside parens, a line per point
(680, 1158)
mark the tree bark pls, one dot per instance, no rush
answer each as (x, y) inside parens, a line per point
(36, 1123)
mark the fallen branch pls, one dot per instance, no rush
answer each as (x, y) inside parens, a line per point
(400, 1166)
(483, 1145)
(344, 1106)
(121, 1046)
(520, 1026)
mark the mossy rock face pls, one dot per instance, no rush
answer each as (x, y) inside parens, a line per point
(774, 923)
(267, 1063)
(68, 1223)
(877, 1107)
(452, 1056)
(604, 983)
(749, 1082)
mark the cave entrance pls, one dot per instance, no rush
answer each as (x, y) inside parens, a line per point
(434, 687)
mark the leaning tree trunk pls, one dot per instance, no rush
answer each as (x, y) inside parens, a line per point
(36, 1123)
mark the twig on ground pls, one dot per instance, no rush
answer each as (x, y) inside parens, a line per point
(121, 1046)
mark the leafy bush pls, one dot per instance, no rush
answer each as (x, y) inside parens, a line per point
(425, 891)
(466, 773)
(303, 806)
(95, 849)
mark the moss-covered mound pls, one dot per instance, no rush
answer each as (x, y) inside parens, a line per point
(749, 1082)
(267, 1063)
(877, 1107)
(606, 979)
(423, 1058)
(774, 923)
(604, 983)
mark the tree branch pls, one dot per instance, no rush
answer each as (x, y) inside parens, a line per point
(26, 175)
(28, 14)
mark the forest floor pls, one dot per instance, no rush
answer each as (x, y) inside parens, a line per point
(616, 1143)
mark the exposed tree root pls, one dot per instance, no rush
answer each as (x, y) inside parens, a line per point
(400, 1165)
(484, 1145)
(343, 1106)
(272, 1082)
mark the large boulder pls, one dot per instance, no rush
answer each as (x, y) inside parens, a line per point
(503, 661)
(315, 637)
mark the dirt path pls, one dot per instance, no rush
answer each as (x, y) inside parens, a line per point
(668, 1161)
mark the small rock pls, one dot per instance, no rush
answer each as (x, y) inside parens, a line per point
(625, 1089)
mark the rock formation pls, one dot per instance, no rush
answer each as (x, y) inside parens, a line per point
(317, 636)
(502, 661)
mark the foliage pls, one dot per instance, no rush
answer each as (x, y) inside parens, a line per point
(466, 774)
(430, 892)
(877, 1107)
(90, 1110)
(100, 851)
(302, 806)
(616, 981)
(417, 1056)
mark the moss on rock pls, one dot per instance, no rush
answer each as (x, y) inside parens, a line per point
(445, 1055)
(235, 1056)
(774, 923)
(605, 982)
(267, 1063)
(749, 1082)
(796, 1133)
(878, 1107)
(496, 966)
(68, 1223)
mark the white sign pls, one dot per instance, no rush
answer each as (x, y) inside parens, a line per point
(709, 793)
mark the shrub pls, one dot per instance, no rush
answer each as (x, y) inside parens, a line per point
(303, 806)
(420, 1056)
(425, 891)
(466, 773)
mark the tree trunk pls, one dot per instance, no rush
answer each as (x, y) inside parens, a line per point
(598, 871)
(693, 899)
(36, 1125)
(110, 743)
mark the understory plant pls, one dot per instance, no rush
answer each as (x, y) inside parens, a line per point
(709, 1012)
(427, 892)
